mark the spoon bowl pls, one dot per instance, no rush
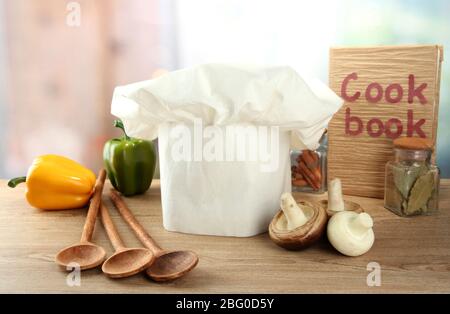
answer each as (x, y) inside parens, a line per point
(172, 265)
(87, 255)
(168, 265)
(128, 262)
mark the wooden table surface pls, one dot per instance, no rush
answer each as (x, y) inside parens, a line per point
(413, 253)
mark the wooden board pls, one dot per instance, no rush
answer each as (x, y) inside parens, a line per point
(414, 254)
(361, 133)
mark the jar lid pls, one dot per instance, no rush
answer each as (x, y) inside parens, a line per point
(413, 143)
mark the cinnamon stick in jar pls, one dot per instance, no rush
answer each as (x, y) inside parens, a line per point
(309, 176)
(311, 159)
(307, 170)
(297, 178)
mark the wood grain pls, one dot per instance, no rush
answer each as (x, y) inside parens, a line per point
(366, 156)
(414, 254)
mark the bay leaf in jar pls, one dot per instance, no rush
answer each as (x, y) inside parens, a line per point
(406, 177)
(420, 194)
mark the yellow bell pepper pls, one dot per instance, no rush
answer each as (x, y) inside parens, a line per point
(56, 182)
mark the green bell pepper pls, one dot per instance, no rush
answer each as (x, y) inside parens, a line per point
(130, 163)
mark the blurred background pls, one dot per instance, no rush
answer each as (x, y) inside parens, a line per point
(60, 60)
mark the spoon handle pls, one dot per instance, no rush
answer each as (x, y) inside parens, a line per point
(140, 232)
(93, 207)
(110, 228)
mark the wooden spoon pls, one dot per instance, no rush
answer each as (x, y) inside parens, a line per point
(85, 253)
(169, 265)
(126, 261)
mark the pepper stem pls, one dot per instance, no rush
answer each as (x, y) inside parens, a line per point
(119, 124)
(16, 181)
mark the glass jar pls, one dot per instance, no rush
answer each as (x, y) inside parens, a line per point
(308, 169)
(412, 181)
